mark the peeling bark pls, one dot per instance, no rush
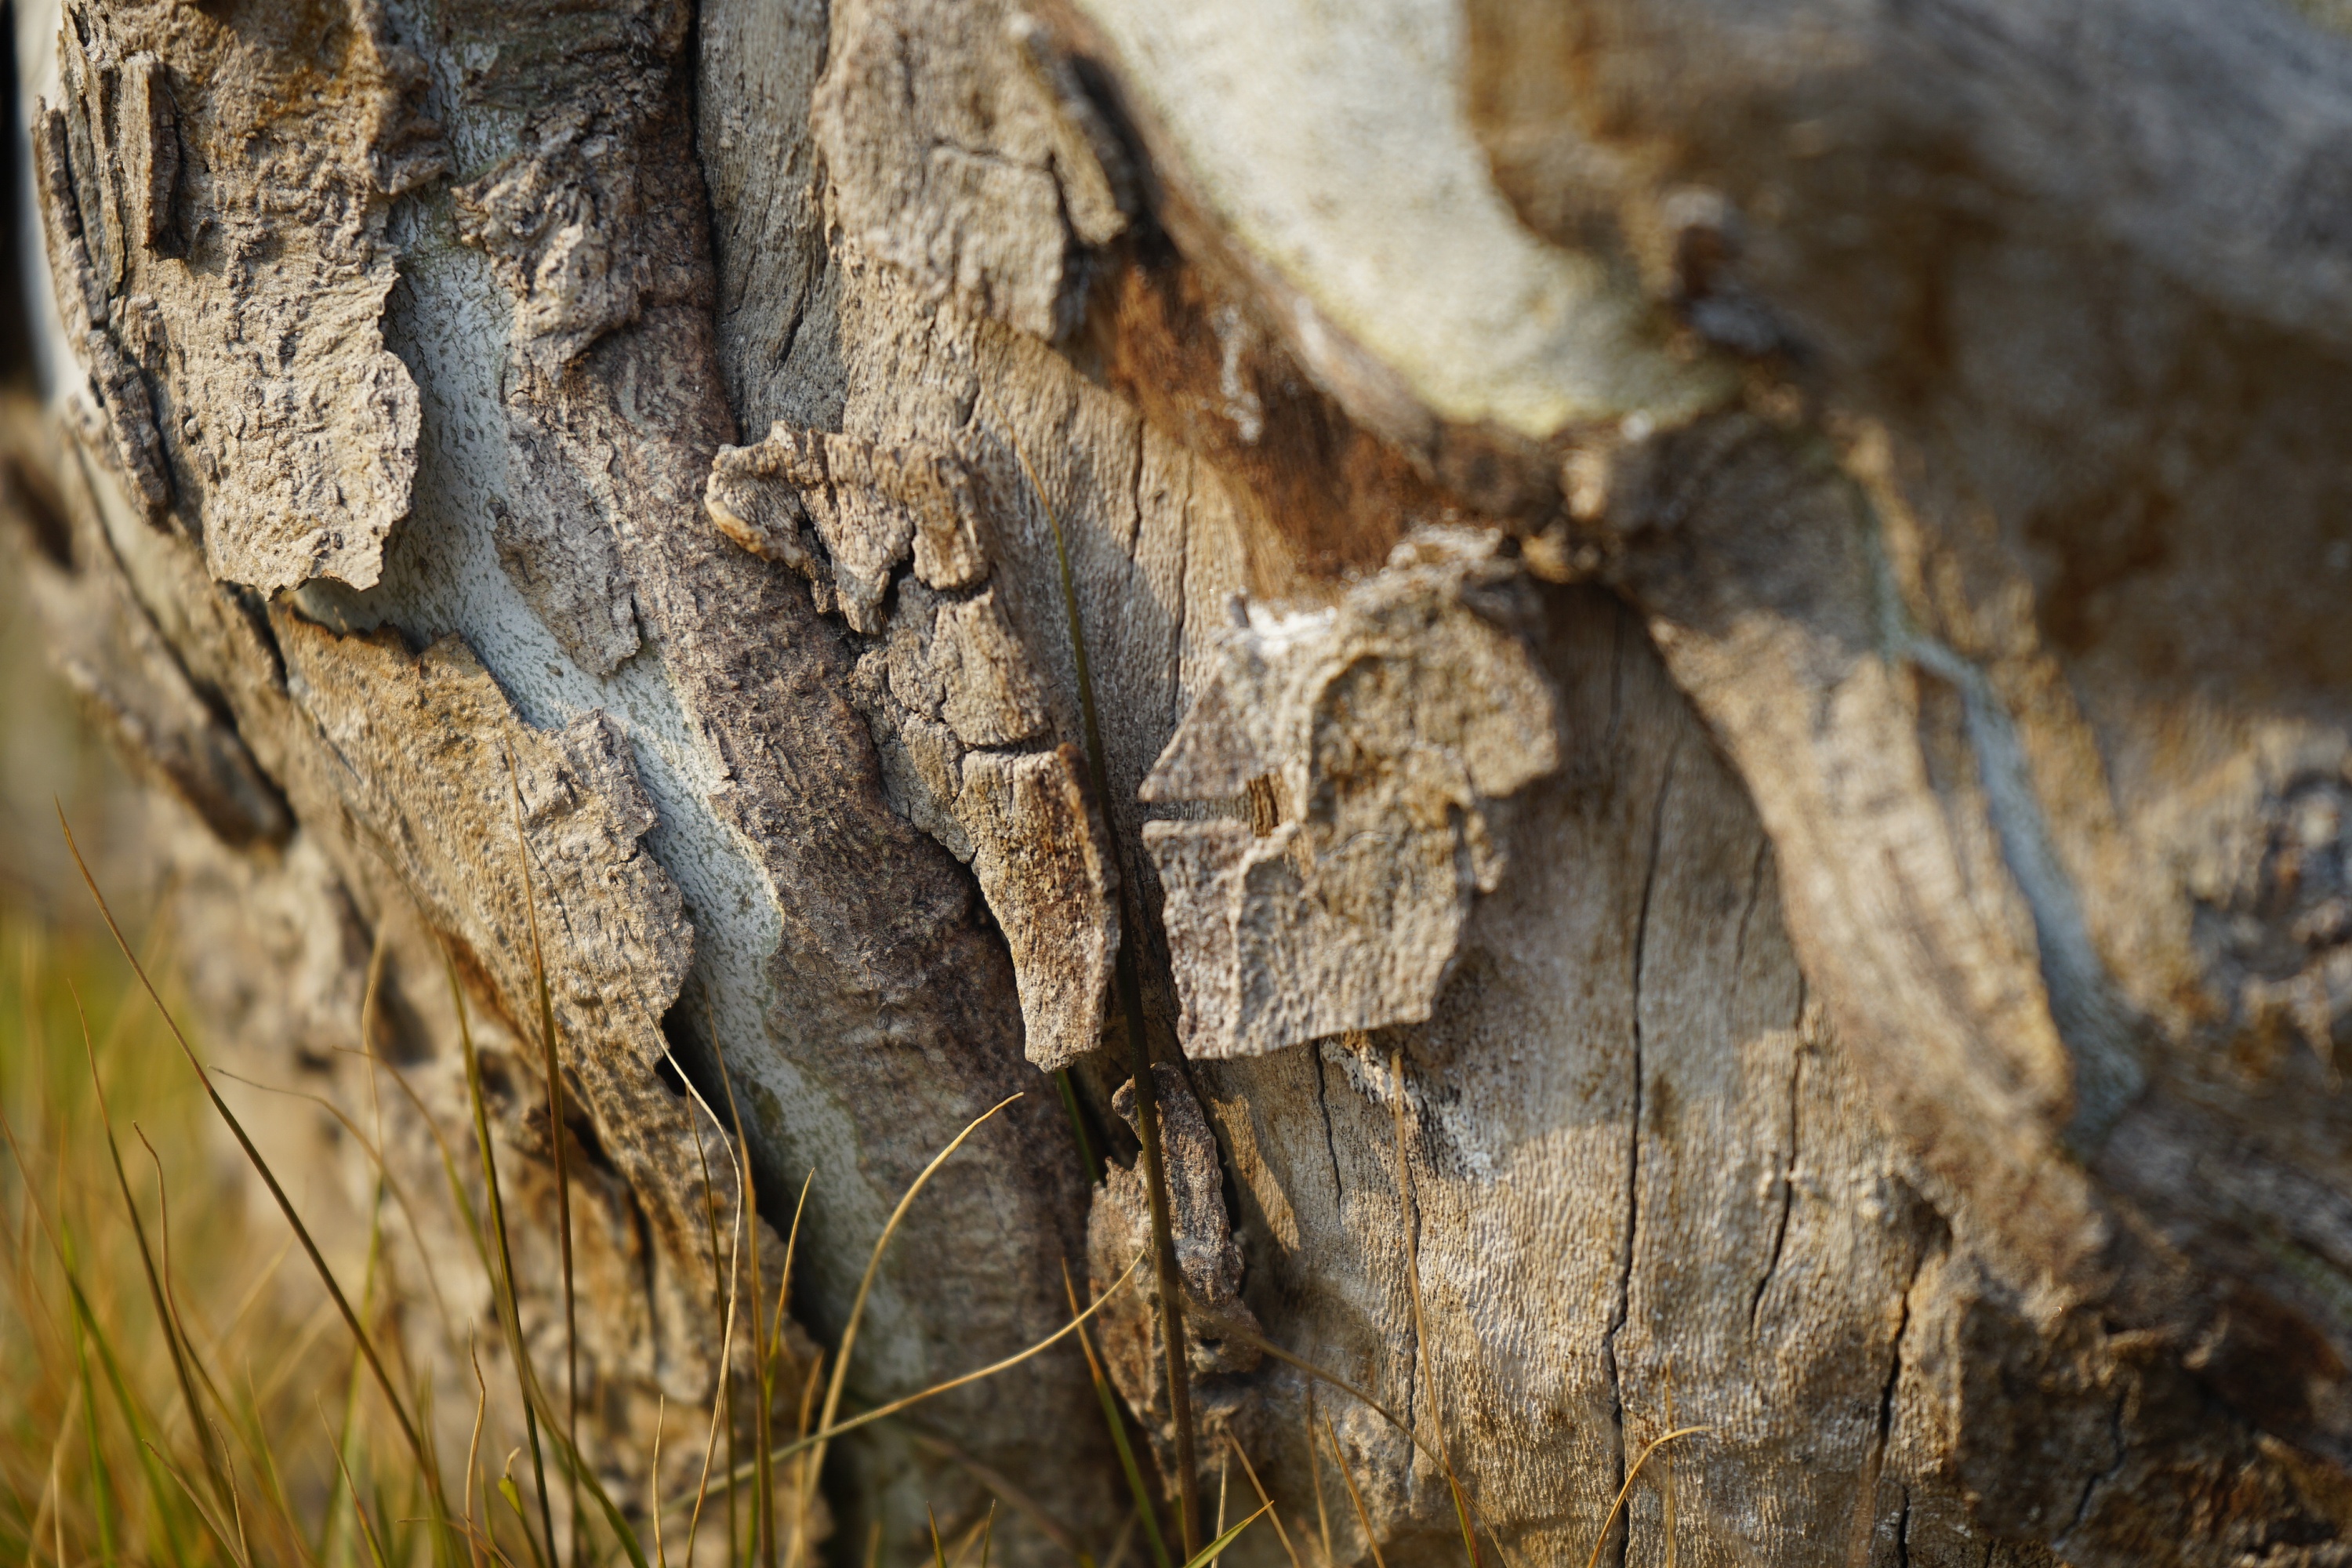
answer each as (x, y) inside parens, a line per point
(1734, 614)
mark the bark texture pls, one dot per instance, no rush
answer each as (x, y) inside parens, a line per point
(1716, 631)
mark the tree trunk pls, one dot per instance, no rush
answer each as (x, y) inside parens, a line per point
(1695, 654)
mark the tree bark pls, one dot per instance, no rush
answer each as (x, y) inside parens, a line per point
(1715, 635)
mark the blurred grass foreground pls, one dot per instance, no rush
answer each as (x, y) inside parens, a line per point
(101, 1459)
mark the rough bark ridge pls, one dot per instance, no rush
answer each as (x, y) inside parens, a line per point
(1667, 594)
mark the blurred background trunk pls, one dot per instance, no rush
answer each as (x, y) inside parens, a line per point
(1694, 659)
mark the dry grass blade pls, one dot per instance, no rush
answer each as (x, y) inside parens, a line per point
(367, 1525)
(1408, 1217)
(1655, 1444)
(178, 1324)
(763, 1500)
(866, 1289)
(653, 1484)
(52, 1493)
(1355, 1391)
(474, 1445)
(1000, 1486)
(1364, 1517)
(101, 1485)
(1250, 1470)
(1315, 1471)
(268, 1178)
(163, 1314)
(826, 1434)
(551, 1065)
(228, 1543)
(385, 1186)
(502, 1276)
(1127, 1462)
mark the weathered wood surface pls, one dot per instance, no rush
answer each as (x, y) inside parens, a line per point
(1730, 617)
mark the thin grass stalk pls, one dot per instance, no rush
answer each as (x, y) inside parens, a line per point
(1001, 1487)
(1224, 1466)
(163, 1314)
(164, 1498)
(556, 1133)
(273, 1485)
(331, 1528)
(817, 1440)
(1407, 1215)
(1315, 1470)
(1121, 1542)
(1216, 1548)
(722, 1401)
(1615, 1507)
(653, 1484)
(1258, 1487)
(101, 1485)
(367, 1527)
(502, 1279)
(256, 1444)
(385, 1187)
(864, 1288)
(723, 1291)
(1146, 1088)
(763, 1500)
(512, 1495)
(1069, 1093)
(1118, 1425)
(1364, 1517)
(269, 1177)
(474, 1448)
(1359, 1393)
(52, 1503)
(220, 1532)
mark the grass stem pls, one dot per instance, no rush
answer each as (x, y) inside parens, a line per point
(1146, 1088)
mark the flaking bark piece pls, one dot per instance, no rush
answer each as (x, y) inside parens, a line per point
(432, 758)
(1208, 1260)
(1395, 722)
(868, 506)
(1038, 851)
(250, 387)
(962, 663)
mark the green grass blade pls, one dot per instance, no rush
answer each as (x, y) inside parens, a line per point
(1118, 1425)
(1077, 1126)
(1210, 1552)
(101, 1485)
